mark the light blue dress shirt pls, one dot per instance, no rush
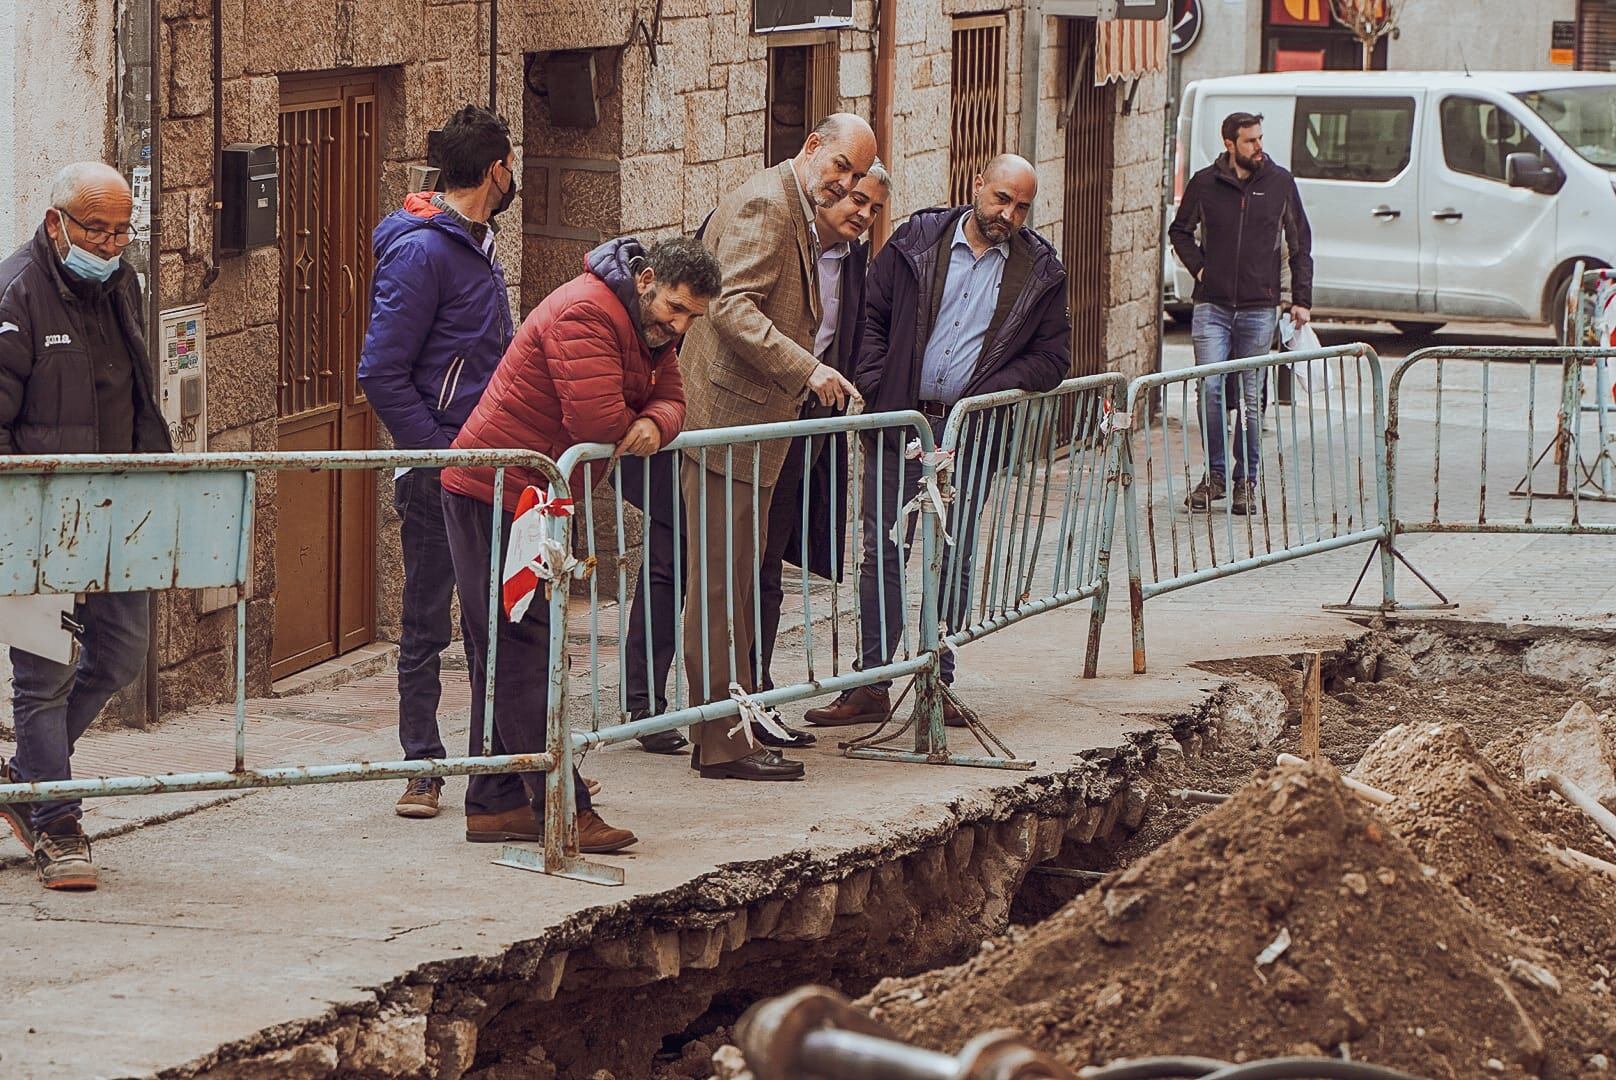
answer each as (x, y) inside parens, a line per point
(970, 296)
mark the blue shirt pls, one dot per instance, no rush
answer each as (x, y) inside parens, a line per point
(970, 296)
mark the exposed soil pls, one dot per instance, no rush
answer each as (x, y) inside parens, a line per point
(1440, 934)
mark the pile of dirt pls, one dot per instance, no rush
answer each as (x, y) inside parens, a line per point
(1294, 919)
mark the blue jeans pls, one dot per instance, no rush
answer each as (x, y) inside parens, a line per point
(53, 704)
(1222, 333)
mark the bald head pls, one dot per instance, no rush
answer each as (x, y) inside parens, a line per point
(836, 154)
(1011, 168)
(1001, 199)
(90, 206)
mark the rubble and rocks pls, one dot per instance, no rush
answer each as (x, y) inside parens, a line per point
(1581, 748)
(1432, 934)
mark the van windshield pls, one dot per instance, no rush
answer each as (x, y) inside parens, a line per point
(1584, 116)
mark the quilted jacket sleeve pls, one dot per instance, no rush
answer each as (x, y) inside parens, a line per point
(403, 305)
(587, 369)
(750, 251)
(16, 364)
(666, 409)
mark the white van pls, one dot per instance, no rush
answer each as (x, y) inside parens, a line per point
(1434, 197)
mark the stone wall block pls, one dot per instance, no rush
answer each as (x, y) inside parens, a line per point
(744, 134)
(912, 19)
(546, 980)
(685, 45)
(232, 38)
(701, 195)
(451, 1046)
(190, 68)
(701, 949)
(263, 110)
(653, 188)
(227, 299)
(748, 86)
(764, 919)
(856, 74)
(854, 892)
(188, 153)
(705, 127)
(810, 915)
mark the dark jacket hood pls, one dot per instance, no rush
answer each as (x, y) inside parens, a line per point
(616, 262)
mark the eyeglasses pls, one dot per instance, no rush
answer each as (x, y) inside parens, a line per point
(123, 234)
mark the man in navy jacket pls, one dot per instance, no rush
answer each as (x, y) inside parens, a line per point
(960, 302)
(440, 320)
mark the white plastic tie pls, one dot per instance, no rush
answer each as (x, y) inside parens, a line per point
(941, 461)
(754, 711)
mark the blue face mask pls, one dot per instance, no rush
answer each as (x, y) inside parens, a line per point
(86, 265)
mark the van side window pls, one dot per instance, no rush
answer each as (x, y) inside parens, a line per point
(1478, 135)
(1367, 139)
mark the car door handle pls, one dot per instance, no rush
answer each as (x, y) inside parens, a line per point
(1385, 213)
(1449, 214)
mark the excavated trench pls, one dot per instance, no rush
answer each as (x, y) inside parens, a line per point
(648, 987)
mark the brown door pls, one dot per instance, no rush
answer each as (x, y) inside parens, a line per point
(325, 532)
(1087, 216)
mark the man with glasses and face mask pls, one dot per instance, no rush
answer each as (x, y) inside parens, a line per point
(74, 379)
(440, 321)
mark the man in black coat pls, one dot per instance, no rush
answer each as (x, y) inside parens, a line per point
(652, 485)
(74, 379)
(961, 302)
(1236, 218)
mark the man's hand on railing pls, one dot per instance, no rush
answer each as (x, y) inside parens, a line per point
(828, 385)
(643, 439)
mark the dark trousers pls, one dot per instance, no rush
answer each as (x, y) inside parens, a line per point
(429, 586)
(648, 656)
(785, 513)
(53, 704)
(880, 585)
(521, 670)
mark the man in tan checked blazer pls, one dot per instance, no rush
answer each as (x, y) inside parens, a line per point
(751, 361)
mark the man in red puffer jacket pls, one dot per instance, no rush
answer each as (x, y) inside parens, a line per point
(594, 362)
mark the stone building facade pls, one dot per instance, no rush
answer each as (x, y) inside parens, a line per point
(690, 102)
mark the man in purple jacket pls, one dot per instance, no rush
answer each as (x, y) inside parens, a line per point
(440, 320)
(960, 302)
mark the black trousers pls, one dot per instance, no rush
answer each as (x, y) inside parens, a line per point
(521, 670)
(652, 485)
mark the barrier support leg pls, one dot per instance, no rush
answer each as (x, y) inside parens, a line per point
(560, 855)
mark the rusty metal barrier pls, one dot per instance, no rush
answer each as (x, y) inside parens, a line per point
(1207, 496)
(129, 523)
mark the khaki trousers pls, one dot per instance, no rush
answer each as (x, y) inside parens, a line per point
(721, 570)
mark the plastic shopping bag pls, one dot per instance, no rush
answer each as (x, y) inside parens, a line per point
(1313, 376)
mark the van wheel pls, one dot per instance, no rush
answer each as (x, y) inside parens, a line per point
(1416, 329)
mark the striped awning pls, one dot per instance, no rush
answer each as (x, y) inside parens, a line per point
(1128, 48)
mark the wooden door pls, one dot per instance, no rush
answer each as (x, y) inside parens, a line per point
(325, 532)
(1087, 219)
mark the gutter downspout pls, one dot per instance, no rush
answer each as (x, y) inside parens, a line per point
(1032, 36)
(493, 55)
(216, 205)
(886, 32)
(154, 299)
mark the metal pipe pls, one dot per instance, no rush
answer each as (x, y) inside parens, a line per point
(216, 202)
(852, 1055)
(493, 55)
(886, 32)
(154, 291)
(276, 776)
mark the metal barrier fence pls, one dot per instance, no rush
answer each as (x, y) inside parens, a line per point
(641, 703)
(1059, 443)
(1209, 494)
(92, 523)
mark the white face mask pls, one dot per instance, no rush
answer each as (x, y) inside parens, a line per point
(85, 265)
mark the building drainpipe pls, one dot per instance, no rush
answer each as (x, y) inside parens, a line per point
(154, 298)
(493, 55)
(216, 204)
(886, 32)
(1032, 37)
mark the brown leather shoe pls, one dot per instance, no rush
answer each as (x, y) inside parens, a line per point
(517, 823)
(420, 798)
(595, 837)
(865, 705)
(953, 714)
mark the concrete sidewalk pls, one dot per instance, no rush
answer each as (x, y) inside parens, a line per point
(284, 904)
